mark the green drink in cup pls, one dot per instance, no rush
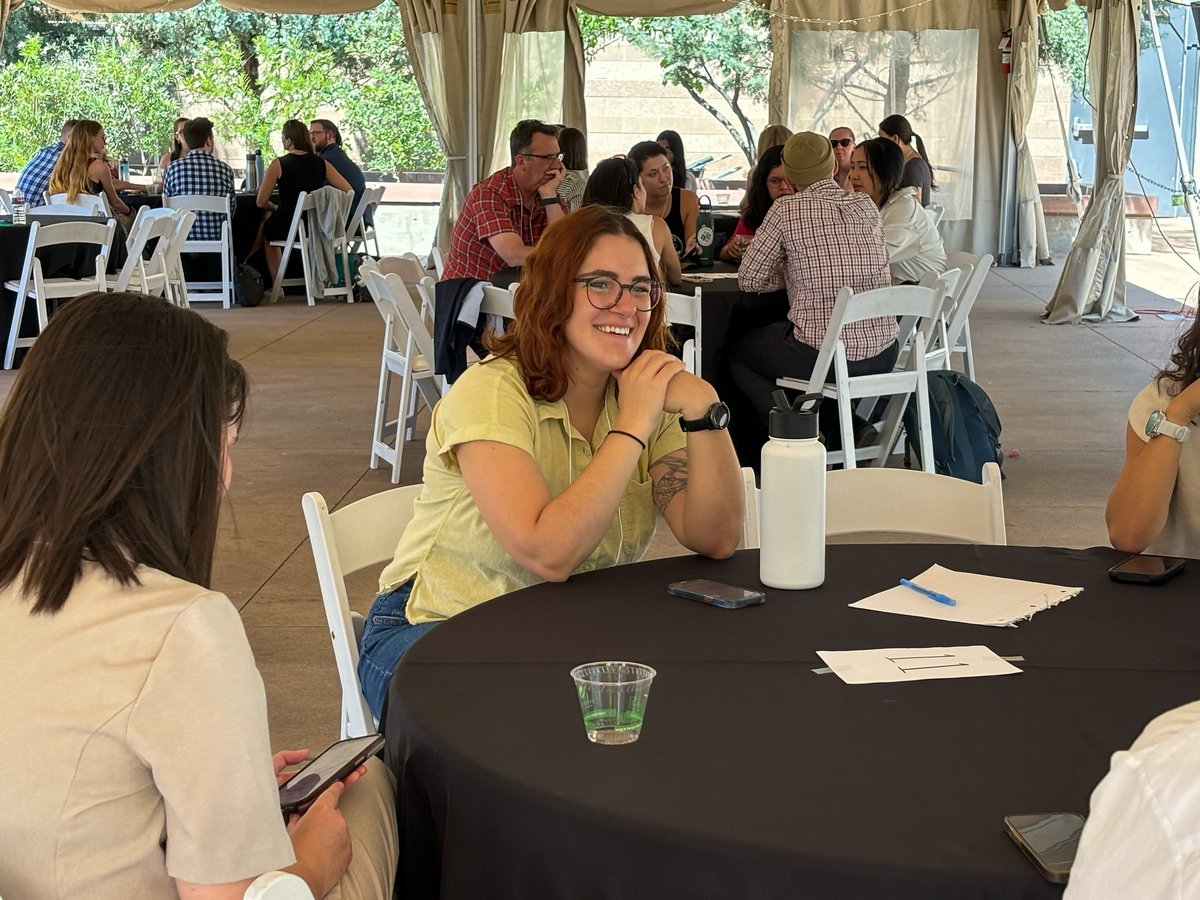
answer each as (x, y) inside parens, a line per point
(612, 697)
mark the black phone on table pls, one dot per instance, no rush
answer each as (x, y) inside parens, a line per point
(1144, 569)
(339, 760)
(1049, 840)
(726, 596)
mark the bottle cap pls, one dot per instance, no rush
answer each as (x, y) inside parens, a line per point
(796, 420)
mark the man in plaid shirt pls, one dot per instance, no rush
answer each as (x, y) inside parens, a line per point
(506, 213)
(35, 177)
(823, 239)
(201, 173)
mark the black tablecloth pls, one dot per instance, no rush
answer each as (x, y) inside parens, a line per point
(755, 777)
(246, 219)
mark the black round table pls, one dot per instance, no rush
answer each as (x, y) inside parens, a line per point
(755, 777)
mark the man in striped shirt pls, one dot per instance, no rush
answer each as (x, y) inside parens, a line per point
(821, 239)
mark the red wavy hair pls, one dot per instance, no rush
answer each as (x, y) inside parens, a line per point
(546, 298)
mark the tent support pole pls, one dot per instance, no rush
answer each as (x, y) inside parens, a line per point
(472, 92)
(1189, 185)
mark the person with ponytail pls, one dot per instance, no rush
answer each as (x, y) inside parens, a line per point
(918, 170)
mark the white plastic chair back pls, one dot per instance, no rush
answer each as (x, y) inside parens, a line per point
(6, 206)
(357, 230)
(70, 209)
(917, 308)
(408, 267)
(177, 285)
(148, 274)
(297, 238)
(958, 325)
(32, 284)
(95, 204)
(439, 265)
(365, 533)
(223, 247)
(920, 504)
(935, 214)
(498, 301)
(685, 309)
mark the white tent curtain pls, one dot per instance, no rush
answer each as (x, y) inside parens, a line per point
(1031, 221)
(946, 49)
(1092, 285)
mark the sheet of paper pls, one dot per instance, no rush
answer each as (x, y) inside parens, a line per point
(981, 599)
(914, 664)
(707, 277)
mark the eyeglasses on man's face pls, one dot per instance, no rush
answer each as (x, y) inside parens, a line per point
(546, 156)
(842, 142)
(604, 292)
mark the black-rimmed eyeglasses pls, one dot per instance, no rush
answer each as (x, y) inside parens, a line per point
(545, 156)
(605, 293)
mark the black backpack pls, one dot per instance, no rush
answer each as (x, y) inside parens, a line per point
(248, 287)
(965, 427)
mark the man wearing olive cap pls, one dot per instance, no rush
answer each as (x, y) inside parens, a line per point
(819, 239)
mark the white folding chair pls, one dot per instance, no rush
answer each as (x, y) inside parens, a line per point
(958, 324)
(71, 209)
(684, 309)
(177, 283)
(95, 204)
(900, 501)
(278, 886)
(299, 236)
(935, 214)
(223, 246)
(32, 285)
(357, 230)
(407, 266)
(918, 310)
(408, 354)
(365, 533)
(498, 301)
(148, 273)
(439, 265)
(903, 501)
(6, 206)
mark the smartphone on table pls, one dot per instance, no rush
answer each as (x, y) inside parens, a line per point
(300, 791)
(1144, 569)
(726, 596)
(1049, 840)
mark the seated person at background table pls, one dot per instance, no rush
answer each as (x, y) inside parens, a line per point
(35, 177)
(913, 242)
(615, 183)
(327, 141)
(573, 144)
(842, 141)
(201, 173)
(550, 457)
(825, 239)
(129, 686)
(299, 169)
(81, 169)
(767, 184)
(179, 146)
(918, 170)
(681, 175)
(678, 207)
(1155, 503)
(1142, 837)
(767, 138)
(506, 213)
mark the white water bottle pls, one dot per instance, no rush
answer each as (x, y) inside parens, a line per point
(792, 499)
(20, 207)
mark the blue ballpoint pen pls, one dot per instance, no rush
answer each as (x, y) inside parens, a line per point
(932, 595)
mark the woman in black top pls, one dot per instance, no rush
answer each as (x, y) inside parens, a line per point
(918, 170)
(678, 207)
(299, 169)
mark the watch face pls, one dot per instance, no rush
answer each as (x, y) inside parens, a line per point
(1152, 423)
(719, 415)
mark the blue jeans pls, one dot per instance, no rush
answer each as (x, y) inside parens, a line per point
(386, 638)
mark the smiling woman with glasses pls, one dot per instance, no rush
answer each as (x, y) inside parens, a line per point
(551, 456)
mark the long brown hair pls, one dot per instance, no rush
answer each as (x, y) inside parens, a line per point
(1184, 367)
(546, 298)
(70, 173)
(297, 132)
(111, 446)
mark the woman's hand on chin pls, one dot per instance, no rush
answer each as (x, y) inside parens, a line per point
(643, 390)
(688, 395)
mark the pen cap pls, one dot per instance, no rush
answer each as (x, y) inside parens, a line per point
(794, 421)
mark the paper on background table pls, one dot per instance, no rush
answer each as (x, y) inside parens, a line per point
(914, 664)
(707, 277)
(982, 599)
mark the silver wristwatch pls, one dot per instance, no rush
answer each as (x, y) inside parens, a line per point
(1158, 423)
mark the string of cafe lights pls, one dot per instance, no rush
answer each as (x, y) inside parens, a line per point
(806, 20)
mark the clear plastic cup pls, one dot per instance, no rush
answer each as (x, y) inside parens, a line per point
(612, 697)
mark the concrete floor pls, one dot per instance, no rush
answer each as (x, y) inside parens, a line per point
(1062, 393)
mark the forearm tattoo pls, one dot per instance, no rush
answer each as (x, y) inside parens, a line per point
(671, 482)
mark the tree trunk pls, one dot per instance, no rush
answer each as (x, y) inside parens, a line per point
(898, 73)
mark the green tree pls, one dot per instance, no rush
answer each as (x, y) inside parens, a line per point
(721, 60)
(50, 94)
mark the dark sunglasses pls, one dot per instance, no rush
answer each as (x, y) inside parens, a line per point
(842, 142)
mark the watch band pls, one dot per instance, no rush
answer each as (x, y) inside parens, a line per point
(1158, 423)
(716, 419)
(550, 201)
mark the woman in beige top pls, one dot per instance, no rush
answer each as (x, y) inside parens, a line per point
(133, 727)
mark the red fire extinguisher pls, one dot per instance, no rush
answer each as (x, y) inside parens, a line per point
(1005, 49)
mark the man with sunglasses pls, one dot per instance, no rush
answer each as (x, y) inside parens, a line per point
(842, 140)
(506, 213)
